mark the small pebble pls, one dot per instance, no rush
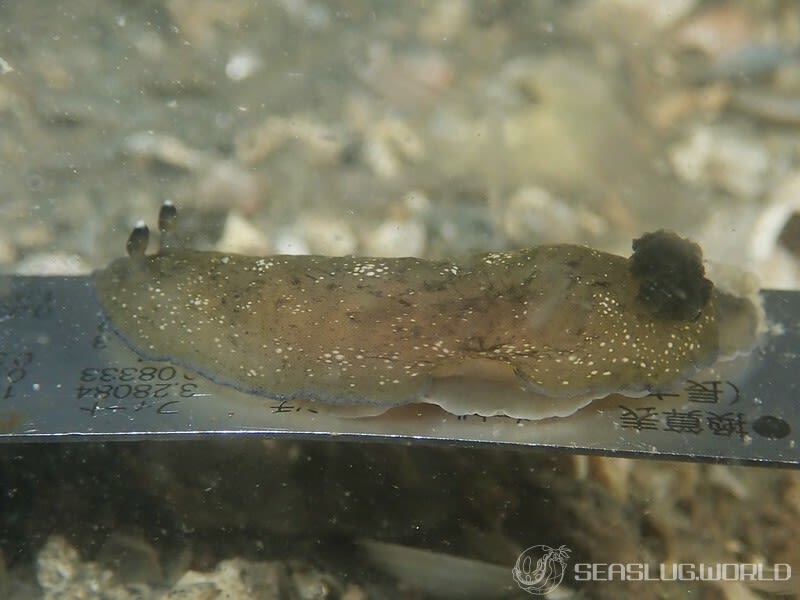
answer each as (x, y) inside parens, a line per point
(327, 236)
(242, 65)
(532, 216)
(289, 241)
(50, 264)
(727, 159)
(56, 564)
(396, 238)
(239, 236)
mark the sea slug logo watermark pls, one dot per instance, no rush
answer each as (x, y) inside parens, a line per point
(540, 569)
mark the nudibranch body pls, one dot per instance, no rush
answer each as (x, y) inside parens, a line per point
(539, 332)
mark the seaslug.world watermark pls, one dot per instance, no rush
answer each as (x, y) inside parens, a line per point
(539, 570)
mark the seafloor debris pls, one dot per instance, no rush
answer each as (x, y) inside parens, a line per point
(258, 143)
(62, 573)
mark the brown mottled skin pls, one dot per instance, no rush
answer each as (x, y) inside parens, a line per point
(560, 321)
